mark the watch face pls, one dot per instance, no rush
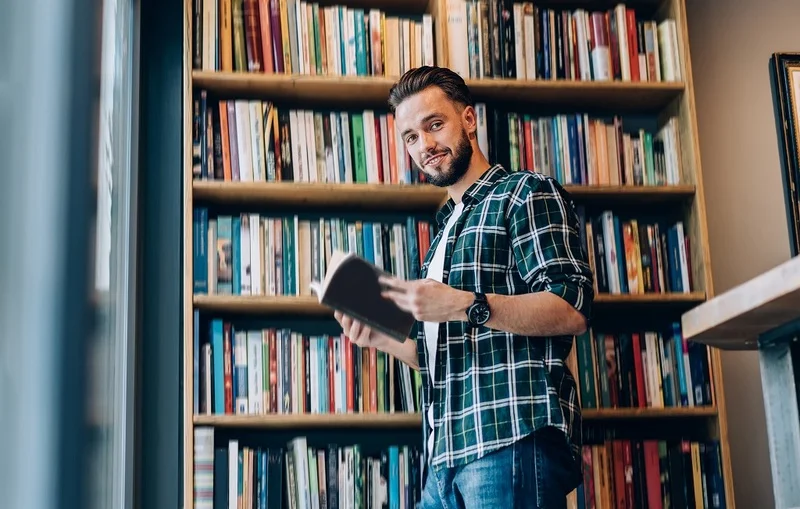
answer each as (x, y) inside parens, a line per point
(480, 313)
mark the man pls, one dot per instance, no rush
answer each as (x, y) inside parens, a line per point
(503, 290)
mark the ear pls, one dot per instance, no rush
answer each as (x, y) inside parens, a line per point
(469, 119)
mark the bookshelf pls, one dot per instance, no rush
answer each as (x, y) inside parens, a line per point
(667, 188)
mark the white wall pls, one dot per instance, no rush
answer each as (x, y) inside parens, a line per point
(731, 42)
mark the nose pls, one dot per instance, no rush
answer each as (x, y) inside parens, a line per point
(428, 143)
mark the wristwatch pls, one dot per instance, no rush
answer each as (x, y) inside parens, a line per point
(478, 313)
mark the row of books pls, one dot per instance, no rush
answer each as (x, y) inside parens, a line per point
(651, 474)
(642, 369)
(303, 476)
(579, 149)
(257, 141)
(250, 371)
(253, 254)
(253, 371)
(302, 37)
(617, 472)
(500, 38)
(248, 140)
(485, 38)
(632, 256)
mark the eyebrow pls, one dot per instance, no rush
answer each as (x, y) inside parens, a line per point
(427, 118)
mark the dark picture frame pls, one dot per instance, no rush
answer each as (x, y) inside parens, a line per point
(785, 78)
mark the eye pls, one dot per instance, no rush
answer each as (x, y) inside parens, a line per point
(435, 126)
(411, 139)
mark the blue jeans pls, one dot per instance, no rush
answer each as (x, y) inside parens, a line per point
(537, 472)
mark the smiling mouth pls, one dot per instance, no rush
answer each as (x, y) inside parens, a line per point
(433, 161)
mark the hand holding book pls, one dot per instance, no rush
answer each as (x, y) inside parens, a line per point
(383, 303)
(351, 287)
(360, 333)
(427, 300)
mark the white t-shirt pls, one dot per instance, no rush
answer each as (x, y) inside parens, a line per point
(435, 270)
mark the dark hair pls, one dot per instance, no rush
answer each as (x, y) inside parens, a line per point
(420, 78)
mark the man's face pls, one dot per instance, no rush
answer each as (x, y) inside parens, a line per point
(432, 129)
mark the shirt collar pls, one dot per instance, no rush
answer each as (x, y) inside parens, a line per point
(474, 193)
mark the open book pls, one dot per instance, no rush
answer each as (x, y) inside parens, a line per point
(351, 286)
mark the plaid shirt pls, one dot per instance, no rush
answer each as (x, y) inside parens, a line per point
(518, 233)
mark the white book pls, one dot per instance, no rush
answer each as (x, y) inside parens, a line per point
(257, 142)
(311, 148)
(622, 42)
(243, 140)
(483, 134)
(295, 144)
(384, 150)
(427, 40)
(244, 254)
(458, 55)
(529, 36)
(254, 373)
(519, 41)
(668, 70)
(336, 146)
(369, 146)
(302, 33)
(351, 41)
(344, 118)
(256, 257)
(233, 474)
(583, 45)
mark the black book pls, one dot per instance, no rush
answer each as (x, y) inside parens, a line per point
(351, 286)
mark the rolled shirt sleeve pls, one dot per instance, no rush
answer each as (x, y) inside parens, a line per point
(546, 242)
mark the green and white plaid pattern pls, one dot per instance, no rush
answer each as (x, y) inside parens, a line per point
(519, 233)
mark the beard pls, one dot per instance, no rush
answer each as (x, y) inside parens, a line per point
(458, 166)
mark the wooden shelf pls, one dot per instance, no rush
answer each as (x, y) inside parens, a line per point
(264, 305)
(374, 90)
(650, 298)
(397, 197)
(309, 305)
(376, 420)
(305, 194)
(597, 414)
(643, 194)
(412, 420)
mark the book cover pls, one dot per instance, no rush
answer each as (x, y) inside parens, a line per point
(351, 286)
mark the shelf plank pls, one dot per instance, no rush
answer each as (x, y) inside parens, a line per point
(397, 196)
(650, 298)
(597, 414)
(375, 420)
(374, 90)
(262, 304)
(612, 95)
(305, 194)
(309, 305)
(643, 194)
(411, 420)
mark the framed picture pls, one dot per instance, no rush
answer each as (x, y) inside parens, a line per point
(785, 75)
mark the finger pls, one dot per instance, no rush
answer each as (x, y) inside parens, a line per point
(403, 300)
(346, 322)
(392, 282)
(363, 337)
(355, 328)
